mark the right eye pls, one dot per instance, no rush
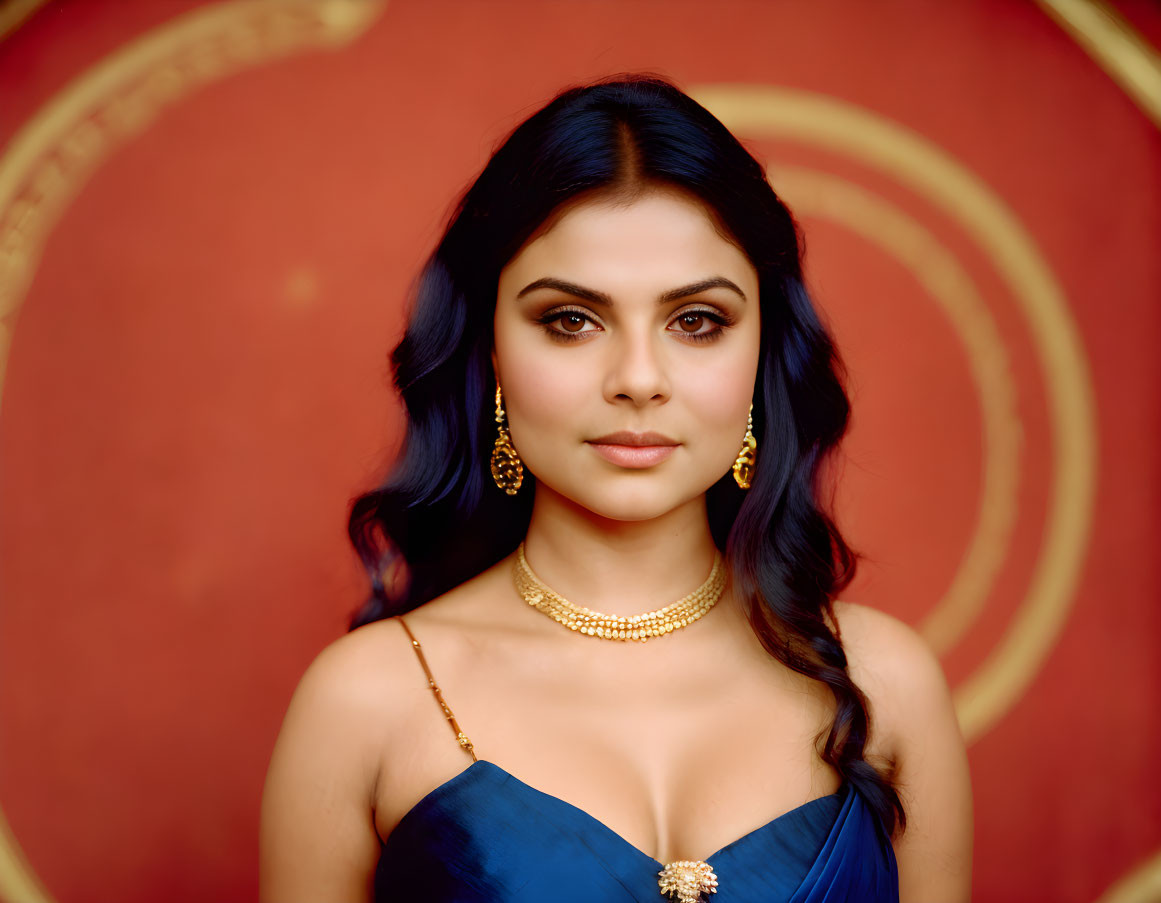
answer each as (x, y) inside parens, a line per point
(569, 324)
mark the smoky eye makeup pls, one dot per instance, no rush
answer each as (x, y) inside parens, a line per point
(693, 323)
(700, 324)
(567, 323)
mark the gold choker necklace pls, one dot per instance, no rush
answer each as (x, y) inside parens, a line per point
(640, 627)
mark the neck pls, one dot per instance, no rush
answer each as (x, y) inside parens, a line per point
(618, 567)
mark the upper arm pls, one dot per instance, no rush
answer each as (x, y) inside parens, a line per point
(317, 839)
(912, 705)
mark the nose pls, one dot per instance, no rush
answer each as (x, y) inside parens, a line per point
(637, 370)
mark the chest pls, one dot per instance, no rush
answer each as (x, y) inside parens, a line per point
(674, 768)
(485, 836)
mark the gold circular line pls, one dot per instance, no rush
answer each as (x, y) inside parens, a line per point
(1141, 885)
(1006, 672)
(48, 161)
(1114, 45)
(939, 272)
(15, 13)
(919, 165)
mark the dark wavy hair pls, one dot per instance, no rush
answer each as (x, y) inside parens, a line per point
(437, 520)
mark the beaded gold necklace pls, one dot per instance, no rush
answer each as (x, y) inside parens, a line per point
(640, 627)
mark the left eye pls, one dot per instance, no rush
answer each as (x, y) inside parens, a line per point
(691, 322)
(572, 322)
(569, 323)
(694, 323)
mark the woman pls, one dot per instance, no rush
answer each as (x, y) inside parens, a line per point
(620, 401)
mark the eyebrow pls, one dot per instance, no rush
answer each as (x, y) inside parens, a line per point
(674, 294)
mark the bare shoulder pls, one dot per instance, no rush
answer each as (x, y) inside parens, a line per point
(356, 666)
(918, 729)
(894, 666)
(359, 744)
(881, 643)
(317, 839)
(353, 685)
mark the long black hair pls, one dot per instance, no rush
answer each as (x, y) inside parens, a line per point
(438, 520)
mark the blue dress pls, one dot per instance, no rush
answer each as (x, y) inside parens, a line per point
(485, 835)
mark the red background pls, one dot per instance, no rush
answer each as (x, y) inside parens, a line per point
(197, 385)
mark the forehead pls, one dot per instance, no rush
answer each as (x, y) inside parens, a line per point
(660, 234)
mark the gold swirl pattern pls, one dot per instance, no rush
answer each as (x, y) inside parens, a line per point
(913, 162)
(48, 161)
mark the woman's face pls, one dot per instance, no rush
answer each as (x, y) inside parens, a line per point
(626, 345)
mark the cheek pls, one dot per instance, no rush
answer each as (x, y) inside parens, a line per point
(542, 389)
(719, 391)
(544, 396)
(720, 401)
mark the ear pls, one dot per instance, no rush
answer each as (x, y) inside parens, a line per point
(495, 368)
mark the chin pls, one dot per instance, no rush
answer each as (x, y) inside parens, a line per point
(629, 504)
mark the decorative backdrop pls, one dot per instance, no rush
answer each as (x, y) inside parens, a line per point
(210, 214)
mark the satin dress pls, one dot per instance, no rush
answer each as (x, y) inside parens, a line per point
(485, 835)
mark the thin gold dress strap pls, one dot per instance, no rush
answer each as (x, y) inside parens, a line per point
(461, 737)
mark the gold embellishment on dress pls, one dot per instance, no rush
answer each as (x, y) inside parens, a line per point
(640, 627)
(689, 879)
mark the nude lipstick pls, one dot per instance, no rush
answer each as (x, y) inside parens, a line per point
(634, 450)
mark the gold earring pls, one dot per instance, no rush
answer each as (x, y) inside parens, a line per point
(744, 465)
(507, 468)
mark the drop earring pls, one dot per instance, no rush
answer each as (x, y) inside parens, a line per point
(507, 468)
(744, 464)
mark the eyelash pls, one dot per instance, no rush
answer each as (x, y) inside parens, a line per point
(722, 320)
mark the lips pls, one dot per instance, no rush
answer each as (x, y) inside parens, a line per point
(634, 440)
(634, 450)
